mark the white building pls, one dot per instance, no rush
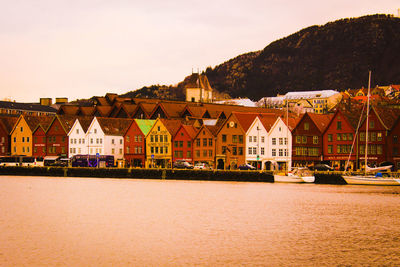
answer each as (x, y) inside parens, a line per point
(256, 143)
(78, 144)
(280, 144)
(105, 136)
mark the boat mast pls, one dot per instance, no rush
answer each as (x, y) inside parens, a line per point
(367, 125)
(287, 136)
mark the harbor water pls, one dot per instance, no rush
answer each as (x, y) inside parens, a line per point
(48, 221)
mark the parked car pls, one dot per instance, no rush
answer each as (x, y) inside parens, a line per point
(246, 167)
(182, 164)
(322, 167)
(202, 166)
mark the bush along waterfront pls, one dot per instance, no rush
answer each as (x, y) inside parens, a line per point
(168, 174)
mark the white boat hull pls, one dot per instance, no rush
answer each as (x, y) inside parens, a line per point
(287, 179)
(308, 179)
(371, 180)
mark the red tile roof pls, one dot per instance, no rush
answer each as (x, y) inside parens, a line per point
(114, 126)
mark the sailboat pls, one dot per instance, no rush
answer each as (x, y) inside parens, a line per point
(297, 175)
(369, 178)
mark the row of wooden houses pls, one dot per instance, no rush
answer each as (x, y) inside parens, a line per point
(224, 138)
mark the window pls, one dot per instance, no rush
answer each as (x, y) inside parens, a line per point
(198, 142)
(197, 153)
(298, 139)
(262, 151)
(176, 143)
(262, 139)
(250, 151)
(280, 152)
(113, 151)
(156, 149)
(156, 138)
(395, 139)
(189, 143)
(210, 153)
(304, 139)
(240, 150)
(22, 129)
(95, 130)
(254, 151)
(330, 149)
(140, 138)
(224, 138)
(204, 141)
(254, 138)
(152, 150)
(250, 139)
(234, 150)
(162, 151)
(77, 131)
(23, 139)
(234, 139)
(152, 138)
(373, 136)
(330, 138)
(379, 136)
(371, 124)
(188, 154)
(338, 137)
(306, 126)
(180, 143)
(120, 141)
(128, 150)
(362, 137)
(280, 141)
(315, 139)
(379, 149)
(97, 141)
(338, 125)
(161, 138)
(240, 139)
(210, 142)
(223, 149)
(350, 137)
(273, 141)
(166, 138)
(27, 139)
(274, 152)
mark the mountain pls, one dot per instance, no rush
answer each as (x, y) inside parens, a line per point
(337, 55)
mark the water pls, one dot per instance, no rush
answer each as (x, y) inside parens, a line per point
(111, 222)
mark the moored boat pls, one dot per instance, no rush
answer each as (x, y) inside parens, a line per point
(371, 180)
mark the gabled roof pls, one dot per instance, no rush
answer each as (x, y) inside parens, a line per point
(387, 116)
(170, 109)
(145, 125)
(245, 119)
(101, 100)
(268, 120)
(197, 81)
(114, 126)
(190, 130)
(172, 125)
(44, 123)
(8, 123)
(85, 122)
(66, 122)
(103, 111)
(320, 120)
(196, 111)
(68, 110)
(86, 111)
(148, 108)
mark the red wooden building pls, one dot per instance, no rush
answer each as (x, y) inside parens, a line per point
(134, 142)
(182, 143)
(339, 137)
(393, 145)
(381, 121)
(307, 139)
(57, 135)
(6, 126)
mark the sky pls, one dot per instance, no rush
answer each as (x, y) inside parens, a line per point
(84, 48)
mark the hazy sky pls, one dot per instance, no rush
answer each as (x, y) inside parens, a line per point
(82, 48)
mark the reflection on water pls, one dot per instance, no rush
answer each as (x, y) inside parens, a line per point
(104, 222)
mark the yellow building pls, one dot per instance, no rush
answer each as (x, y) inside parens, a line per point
(159, 143)
(21, 135)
